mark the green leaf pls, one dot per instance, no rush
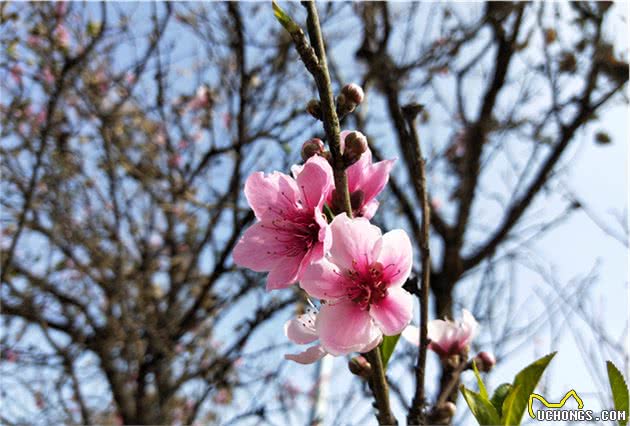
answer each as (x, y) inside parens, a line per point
(499, 395)
(482, 388)
(509, 404)
(619, 391)
(387, 348)
(481, 408)
(524, 384)
(283, 18)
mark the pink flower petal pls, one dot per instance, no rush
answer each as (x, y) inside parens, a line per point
(315, 181)
(301, 330)
(396, 257)
(357, 172)
(257, 248)
(284, 274)
(325, 235)
(376, 177)
(393, 313)
(369, 210)
(450, 337)
(353, 240)
(272, 194)
(309, 356)
(374, 343)
(343, 328)
(323, 280)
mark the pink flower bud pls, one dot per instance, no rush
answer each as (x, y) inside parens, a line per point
(314, 107)
(485, 361)
(360, 366)
(355, 145)
(445, 411)
(312, 147)
(62, 36)
(353, 93)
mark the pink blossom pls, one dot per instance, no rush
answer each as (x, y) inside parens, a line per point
(34, 41)
(47, 76)
(60, 9)
(365, 181)
(361, 284)
(62, 35)
(291, 231)
(175, 160)
(16, 73)
(223, 397)
(130, 77)
(200, 100)
(41, 117)
(302, 330)
(227, 120)
(447, 337)
(436, 203)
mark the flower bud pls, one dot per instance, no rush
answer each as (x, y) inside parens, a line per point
(312, 147)
(344, 105)
(353, 93)
(314, 107)
(355, 145)
(485, 361)
(360, 366)
(446, 410)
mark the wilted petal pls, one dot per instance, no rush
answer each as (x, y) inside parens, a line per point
(343, 328)
(309, 356)
(393, 313)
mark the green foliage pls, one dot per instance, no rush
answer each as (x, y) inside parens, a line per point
(284, 19)
(499, 396)
(619, 390)
(508, 403)
(482, 388)
(481, 408)
(387, 348)
(524, 384)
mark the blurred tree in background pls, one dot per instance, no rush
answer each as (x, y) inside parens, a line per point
(128, 130)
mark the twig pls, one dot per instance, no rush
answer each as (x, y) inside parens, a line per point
(410, 112)
(314, 59)
(380, 389)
